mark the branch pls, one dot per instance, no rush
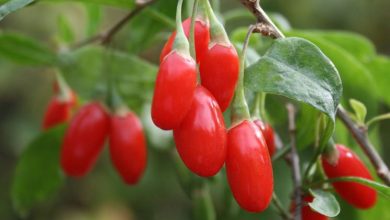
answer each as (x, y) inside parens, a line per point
(105, 37)
(294, 161)
(279, 206)
(360, 135)
(270, 28)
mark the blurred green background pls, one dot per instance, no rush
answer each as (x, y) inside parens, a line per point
(26, 89)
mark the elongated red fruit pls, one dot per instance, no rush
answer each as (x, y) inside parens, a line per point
(84, 139)
(202, 38)
(307, 212)
(174, 90)
(128, 146)
(248, 167)
(346, 163)
(268, 134)
(219, 70)
(201, 137)
(58, 111)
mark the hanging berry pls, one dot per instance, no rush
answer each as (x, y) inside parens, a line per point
(175, 83)
(60, 106)
(127, 145)
(84, 139)
(248, 167)
(219, 67)
(248, 163)
(201, 137)
(202, 38)
(341, 161)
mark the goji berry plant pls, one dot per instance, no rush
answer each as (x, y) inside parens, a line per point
(230, 113)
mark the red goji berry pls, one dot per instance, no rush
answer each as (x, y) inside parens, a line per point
(268, 134)
(59, 110)
(174, 90)
(202, 38)
(248, 167)
(128, 146)
(84, 139)
(219, 71)
(344, 162)
(201, 137)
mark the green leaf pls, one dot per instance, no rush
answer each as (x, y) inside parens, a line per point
(379, 67)
(94, 14)
(12, 6)
(25, 50)
(382, 189)
(38, 175)
(297, 69)
(324, 203)
(360, 110)
(357, 80)
(66, 34)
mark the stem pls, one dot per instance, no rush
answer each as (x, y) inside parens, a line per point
(192, 29)
(279, 206)
(262, 17)
(377, 119)
(180, 44)
(217, 31)
(295, 161)
(106, 37)
(203, 204)
(361, 137)
(240, 109)
(63, 88)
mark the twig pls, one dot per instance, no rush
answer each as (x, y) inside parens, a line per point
(279, 206)
(360, 135)
(106, 37)
(295, 161)
(262, 18)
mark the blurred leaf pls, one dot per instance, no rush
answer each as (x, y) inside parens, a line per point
(380, 70)
(359, 109)
(378, 118)
(11, 6)
(88, 68)
(324, 203)
(24, 50)
(356, 44)
(94, 14)
(66, 34)
(382, 189)
(38, 175)
(357, 80)
(203, 208)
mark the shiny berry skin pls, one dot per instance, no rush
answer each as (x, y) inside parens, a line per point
(349, 164)
(58, 111)
(248, 167)
(307, 212)
(201, 137)
(202, 38)
(268, 134)
(128, 146)
(84, 139)
(174, 90)
(219, 70)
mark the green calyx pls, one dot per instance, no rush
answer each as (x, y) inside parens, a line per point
(217, 31)
(180, 44)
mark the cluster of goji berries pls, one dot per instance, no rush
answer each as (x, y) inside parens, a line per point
(87, 132)
(193, 110)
